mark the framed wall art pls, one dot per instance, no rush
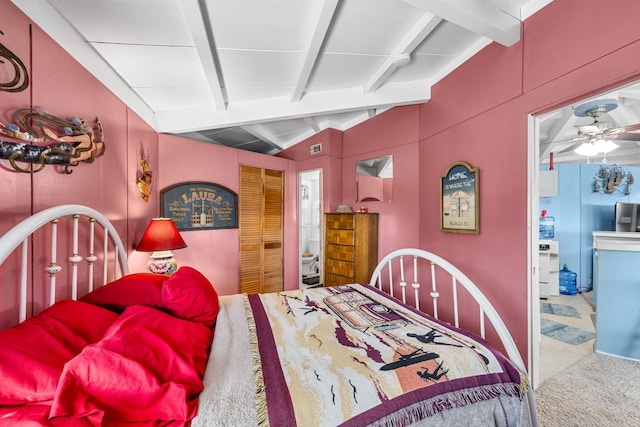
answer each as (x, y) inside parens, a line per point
(199, 206)
(459, 199)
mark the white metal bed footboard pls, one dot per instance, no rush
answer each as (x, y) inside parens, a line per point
(81, 221)
(400, 269)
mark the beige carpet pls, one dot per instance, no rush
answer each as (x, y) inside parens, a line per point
(597, 391)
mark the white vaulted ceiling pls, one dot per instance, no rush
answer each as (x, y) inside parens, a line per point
(263, 75)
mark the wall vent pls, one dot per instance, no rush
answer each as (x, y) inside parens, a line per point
(315, 149)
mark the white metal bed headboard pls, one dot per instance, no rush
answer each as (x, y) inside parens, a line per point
(397, 261)
(19, 236)
(407, 260)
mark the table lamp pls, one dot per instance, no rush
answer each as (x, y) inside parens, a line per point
(160, 237)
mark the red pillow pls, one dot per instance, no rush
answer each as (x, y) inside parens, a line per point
(189, 295)
(132, 289)
(33, 353)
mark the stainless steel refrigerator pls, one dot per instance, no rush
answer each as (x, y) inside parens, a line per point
(627, 216)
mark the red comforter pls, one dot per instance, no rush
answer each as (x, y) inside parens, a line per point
(143, 368)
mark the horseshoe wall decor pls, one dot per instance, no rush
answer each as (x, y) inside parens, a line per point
(20, 80)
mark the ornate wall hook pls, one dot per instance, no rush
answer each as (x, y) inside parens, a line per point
(44, 139)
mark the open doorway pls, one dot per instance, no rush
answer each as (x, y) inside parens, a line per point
(580, 206)
(310, 227)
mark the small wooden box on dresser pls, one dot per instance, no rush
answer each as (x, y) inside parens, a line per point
(351, 247)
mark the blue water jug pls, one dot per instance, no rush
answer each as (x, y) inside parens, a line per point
(568, 281)
(547, 231)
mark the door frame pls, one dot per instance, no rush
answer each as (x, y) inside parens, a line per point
(533, 255)
(320, 219)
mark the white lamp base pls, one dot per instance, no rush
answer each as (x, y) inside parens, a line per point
(162, 262)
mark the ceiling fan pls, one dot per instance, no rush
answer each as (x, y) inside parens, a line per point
(596, 137)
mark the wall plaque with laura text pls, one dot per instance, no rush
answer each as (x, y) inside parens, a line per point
(199, 206)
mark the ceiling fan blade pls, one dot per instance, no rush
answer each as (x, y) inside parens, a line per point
(626, 136)
(582, 138)
(631, 128)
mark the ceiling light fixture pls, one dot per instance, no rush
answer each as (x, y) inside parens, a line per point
(402, 60)
(587, 149)
(605, 145)
(595, 147)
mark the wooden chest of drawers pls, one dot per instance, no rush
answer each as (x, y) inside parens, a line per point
(351, 247)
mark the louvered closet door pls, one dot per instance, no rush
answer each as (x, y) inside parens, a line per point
(261, 212)
(272, 231)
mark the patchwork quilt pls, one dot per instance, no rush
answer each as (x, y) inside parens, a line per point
(352, 356)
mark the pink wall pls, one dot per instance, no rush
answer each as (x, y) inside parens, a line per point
(141, 139)
(64, 88)
(393, 132)
(479, 115)
(215, 252)
(370, 187)
(15, 192)
(329, 160)
(559, 36)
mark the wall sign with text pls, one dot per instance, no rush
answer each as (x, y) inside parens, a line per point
(459, 199)
(199, 206)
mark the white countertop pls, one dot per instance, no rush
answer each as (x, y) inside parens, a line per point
(616, 240)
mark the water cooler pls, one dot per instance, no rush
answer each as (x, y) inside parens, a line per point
(549, 268)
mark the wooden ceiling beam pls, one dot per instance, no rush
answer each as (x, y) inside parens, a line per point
(478, 16)
(313, 48)
(199, 23)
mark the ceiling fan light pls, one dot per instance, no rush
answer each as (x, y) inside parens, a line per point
(586, 149)
(605, 145)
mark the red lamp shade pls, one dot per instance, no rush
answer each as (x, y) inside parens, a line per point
(161, 235)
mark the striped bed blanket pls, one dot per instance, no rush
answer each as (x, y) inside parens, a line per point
(353, 356)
